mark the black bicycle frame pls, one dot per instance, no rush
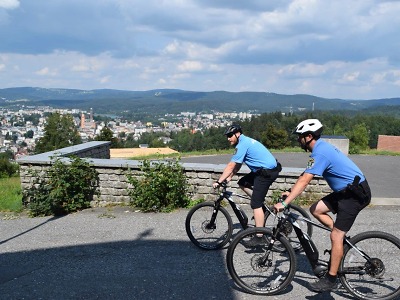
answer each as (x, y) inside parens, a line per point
(240, 214)
(308, 245)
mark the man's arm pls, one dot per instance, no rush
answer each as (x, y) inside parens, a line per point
(234, 171)
(296, 190)
(230, 170)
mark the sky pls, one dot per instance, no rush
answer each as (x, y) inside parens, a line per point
(333, 49)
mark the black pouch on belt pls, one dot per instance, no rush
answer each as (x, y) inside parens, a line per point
(357, 190)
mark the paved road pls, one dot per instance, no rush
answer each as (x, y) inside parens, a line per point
(121, 254)
(381, 171)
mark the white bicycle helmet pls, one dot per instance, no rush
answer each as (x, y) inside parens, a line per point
(312, 126)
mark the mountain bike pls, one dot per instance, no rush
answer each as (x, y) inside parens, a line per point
(369, 269)
(209, 225)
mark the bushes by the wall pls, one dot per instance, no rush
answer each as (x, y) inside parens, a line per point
(62, 189)
(162, 187)
(7, 168)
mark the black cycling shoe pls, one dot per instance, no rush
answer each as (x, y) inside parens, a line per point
(255, 241)
(324, 285)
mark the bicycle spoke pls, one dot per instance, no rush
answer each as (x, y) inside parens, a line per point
(259, 271)
(205, 234)
(375, 279)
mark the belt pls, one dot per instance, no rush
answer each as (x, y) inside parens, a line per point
(264, 171)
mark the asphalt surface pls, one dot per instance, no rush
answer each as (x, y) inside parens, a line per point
(382, 172)
(121, 254)
(117, 253)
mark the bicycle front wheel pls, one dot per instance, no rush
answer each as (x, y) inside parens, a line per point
(287, 228)
(204, 233)
(258, 270)
(378, 277)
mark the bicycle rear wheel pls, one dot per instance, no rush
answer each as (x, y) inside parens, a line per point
(257, 270)
(287, 229)
(204, 234)
(378, 278)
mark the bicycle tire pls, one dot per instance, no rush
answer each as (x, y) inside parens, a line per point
(288, 230)
(245, 265)
(208, 238)
(382, 278)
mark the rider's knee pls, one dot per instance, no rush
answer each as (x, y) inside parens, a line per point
(337, 235)
(313, 209)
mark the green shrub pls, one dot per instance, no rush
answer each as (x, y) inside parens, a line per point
(7, 168)
(162, 187)
(64, 188)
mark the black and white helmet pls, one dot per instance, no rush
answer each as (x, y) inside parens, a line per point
(233, 129)
(309, 126)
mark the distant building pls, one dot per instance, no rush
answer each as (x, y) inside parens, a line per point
(340, 142)
(388, 143)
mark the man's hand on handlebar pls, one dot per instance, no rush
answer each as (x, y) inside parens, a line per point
(217, 184)
(281, 205)
(278, 207)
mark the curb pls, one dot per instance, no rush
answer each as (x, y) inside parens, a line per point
(385, 201)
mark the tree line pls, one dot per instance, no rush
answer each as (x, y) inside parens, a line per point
(274, 130)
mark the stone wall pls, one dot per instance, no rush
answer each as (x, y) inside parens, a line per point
(113, 183)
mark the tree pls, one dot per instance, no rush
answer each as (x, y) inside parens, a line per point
(59, 132)
(274, 138)
(29, 134)
(358, 138)
(106, 134)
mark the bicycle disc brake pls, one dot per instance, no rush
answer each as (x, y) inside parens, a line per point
(259, 264)
(207, 227)
(375, 268)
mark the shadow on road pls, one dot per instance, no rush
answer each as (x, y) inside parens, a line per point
(145, 269)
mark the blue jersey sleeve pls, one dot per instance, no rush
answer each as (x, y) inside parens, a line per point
(239, 154)
(317, 164)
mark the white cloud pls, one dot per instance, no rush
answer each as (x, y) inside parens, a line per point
(190, 66)
(9, 4)
(105, 79)
(46, 71)
(338, 48)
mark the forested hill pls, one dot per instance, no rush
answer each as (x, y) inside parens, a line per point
(176, 101)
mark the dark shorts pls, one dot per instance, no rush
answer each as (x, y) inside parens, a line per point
(260, 185)
(346, 206)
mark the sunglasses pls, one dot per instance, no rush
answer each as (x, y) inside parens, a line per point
(229, 135)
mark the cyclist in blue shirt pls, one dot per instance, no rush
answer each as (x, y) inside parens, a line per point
(351, 192)
(264, 171)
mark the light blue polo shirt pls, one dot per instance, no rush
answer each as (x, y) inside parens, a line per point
(254, 154)
(335, 167)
